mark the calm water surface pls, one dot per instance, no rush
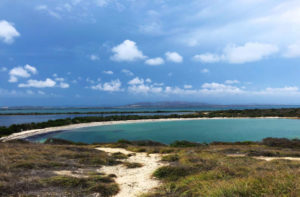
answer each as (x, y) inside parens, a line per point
(85, 110)
(228, 130)
(7, 120)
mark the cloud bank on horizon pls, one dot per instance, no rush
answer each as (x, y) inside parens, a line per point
(98, 52)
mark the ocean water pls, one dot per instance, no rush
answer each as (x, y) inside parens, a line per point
(208, 130)
(85, 110)
(7, 120)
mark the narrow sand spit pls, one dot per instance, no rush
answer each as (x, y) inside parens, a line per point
(134, 181)
(30, 133)
(266, 158)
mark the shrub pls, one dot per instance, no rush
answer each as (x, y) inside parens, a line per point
(170, 158)
(119, 155)
(184, 143)
(66, 182)
(61, 142)
(122, 141)
(137, 149)
(263, 153)
(234, 143)
(105, 189)
(132, 164)
(171, 173)
(281, 142)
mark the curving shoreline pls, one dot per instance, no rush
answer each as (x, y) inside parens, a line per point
(31, 133)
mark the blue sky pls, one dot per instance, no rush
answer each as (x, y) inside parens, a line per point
(112, 52)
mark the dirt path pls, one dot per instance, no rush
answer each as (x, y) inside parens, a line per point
(135, 181)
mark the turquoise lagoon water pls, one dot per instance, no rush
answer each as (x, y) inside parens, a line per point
(208, 130)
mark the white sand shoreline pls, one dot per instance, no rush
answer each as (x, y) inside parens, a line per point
(31, 133)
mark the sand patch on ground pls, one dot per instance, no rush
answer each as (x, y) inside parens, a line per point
(134, 181)
(273, 158)
(266, 158)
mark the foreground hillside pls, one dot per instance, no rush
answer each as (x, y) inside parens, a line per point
(61, 168)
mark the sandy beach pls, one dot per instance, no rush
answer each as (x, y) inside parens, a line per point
(31, 133)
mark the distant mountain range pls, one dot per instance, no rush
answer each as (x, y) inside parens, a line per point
(168, 104)
(182, 104)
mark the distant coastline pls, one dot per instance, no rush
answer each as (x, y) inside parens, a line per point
(34, 132)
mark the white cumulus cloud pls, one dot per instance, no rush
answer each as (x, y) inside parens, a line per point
(144, 89)
(136, 81)
(287, 90)
(127, 51)
(64, 85)
(94, 57)
(127, 72)
(214, 88)
(249, 52)
(8, 32)
(207, 58)
(44, 8)
(293, 50)
(102, 3)
(21, 72)
(112, 86)
(174, 57)
(108, 72)
(204, 70)
(31, 69)
(155, 61)
(188, 86)
(48, 83)
(232, 81)
(138, 86)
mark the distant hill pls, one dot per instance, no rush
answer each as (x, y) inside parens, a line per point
(168, 104)
(162, 104)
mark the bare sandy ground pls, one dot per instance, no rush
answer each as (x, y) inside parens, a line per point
(30, 133)
(274, 158)
(135, 181)
(266, 158)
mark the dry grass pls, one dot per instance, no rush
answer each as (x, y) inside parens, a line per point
(201, 170)
(207, 171)
(28, 169)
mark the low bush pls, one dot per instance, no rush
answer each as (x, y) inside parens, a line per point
(119, 155)
(102, 185)
(170, 158)
(132, 164)
(172, 173)
(185, 143)
(61, 142)
(281, 142)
